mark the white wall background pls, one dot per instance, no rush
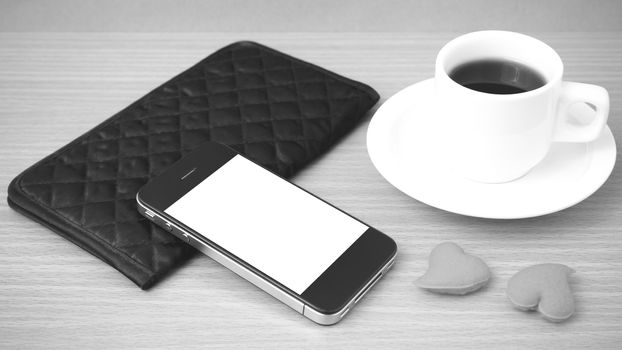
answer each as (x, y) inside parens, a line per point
(309, 15)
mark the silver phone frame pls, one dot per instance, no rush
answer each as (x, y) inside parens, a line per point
(259, 281)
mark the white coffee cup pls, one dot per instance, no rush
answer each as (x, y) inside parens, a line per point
(497, 138)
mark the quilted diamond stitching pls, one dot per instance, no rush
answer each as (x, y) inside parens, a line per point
(275, 109)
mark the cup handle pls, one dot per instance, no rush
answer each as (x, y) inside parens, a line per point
(572, 93)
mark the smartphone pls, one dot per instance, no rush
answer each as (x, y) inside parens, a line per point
(305, 252)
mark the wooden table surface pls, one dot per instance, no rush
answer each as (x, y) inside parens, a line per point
(54, 87)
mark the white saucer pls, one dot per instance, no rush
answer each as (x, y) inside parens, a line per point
(401, 147)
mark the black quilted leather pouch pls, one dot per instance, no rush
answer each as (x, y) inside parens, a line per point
(275, 109)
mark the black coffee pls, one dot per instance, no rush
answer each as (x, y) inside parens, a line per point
(497, 76)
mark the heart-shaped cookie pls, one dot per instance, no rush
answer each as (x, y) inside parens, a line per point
(452, 271)
(545, 288)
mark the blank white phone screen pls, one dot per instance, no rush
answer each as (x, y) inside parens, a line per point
(281, 230)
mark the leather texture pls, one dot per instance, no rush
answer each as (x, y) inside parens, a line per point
(277, 110)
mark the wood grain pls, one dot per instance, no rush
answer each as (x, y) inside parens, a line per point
(53, 87)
